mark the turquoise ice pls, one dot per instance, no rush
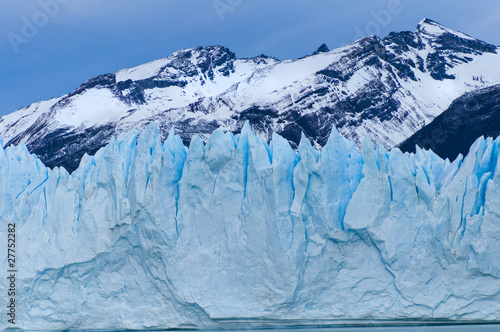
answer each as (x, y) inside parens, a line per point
(148, 234)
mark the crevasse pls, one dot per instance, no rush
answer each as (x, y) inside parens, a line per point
(149, 234)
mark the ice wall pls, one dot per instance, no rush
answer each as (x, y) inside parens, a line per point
(152, 234)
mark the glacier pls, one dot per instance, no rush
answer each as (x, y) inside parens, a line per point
(152, 234)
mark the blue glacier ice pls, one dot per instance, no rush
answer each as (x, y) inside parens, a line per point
(146, 234)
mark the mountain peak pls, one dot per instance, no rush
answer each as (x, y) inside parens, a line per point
(433, 29)
(428, 21)
(322, 49)
(189, 61)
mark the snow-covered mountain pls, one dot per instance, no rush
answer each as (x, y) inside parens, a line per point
(388, 88)
(152, 235)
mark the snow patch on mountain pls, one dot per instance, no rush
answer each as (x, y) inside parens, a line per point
(433, 29)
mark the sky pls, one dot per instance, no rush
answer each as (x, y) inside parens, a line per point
(49, 47)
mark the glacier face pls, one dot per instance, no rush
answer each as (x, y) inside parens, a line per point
(152, 234)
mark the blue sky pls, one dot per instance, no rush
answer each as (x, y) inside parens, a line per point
(49, 47)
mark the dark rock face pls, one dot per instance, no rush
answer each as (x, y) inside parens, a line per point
(207, 60)
(103, 81)
(322, 49)
(473, 115)
(65, 147)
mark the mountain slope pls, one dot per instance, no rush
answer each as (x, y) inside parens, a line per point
(472, 115)
(388, 88)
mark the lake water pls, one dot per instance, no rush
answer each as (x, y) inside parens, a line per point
(442, 328)
(355, 326)
(391, 327)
